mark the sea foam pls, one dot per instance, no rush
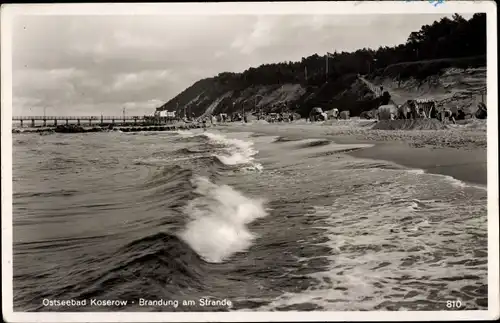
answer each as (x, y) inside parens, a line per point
(238, 151)
(218, 220)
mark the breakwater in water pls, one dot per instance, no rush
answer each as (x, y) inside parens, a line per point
(80, 129)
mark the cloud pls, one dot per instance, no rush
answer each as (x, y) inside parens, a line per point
(100, 64)
(141, 80)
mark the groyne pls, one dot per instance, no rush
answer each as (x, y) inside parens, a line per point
(80, 129)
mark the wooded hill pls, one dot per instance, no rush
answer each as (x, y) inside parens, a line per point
(446, 43)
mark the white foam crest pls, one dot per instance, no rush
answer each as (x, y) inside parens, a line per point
(461, 184)
(185, 133)
(19, 130)
(218, 220)
(240, 151)
(416, 171)
(452, 180)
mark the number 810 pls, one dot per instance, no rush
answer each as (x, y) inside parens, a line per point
(454, 304)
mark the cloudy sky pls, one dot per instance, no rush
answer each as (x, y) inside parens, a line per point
(88, 65)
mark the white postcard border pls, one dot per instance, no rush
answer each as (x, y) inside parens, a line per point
(8, 12)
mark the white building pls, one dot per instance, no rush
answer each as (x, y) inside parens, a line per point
(168, 114)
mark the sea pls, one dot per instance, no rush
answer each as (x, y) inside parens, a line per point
(212, 220)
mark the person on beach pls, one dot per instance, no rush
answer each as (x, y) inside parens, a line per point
(481, 112)
(446, 116)
(460, 114)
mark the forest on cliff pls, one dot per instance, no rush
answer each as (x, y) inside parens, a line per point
(449, 42)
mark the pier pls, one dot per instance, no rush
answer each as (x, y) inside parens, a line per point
(54, 121)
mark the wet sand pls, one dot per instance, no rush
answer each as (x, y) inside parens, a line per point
(466, 165)
(464, 160)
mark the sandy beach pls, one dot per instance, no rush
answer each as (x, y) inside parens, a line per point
(459, 152)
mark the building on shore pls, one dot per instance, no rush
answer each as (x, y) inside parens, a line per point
(162, 115)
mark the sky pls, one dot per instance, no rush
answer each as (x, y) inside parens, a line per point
(93, 65)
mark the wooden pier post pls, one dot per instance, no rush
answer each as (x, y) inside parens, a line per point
(90, 121)
(101, 120)
(113, 122)
(21, 123)
(78, 121)
(33, 123)
(45, 122)
(67, 121)
(55, 122)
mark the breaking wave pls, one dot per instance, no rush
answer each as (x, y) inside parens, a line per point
(231, 152)
(219, 218)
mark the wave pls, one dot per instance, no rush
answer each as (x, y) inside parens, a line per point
(164, 263)
(185, 133)
(192, 150)
(219, 218)
(60, 163)
(194, 138)
(284, 139)
(210, 150)
(315, 143)
(450, 179)
(416, 171)
(417, 204)
(335, 152)
(233, 151)
(153, 161)
(240, 151)
(174, 259)
(215, 216)
(61, 192)
(168, 175)
(461, 184)
(22, 142)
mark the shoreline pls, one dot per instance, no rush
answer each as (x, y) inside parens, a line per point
(468, 164)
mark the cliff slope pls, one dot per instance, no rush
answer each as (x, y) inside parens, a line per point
(445, 61)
